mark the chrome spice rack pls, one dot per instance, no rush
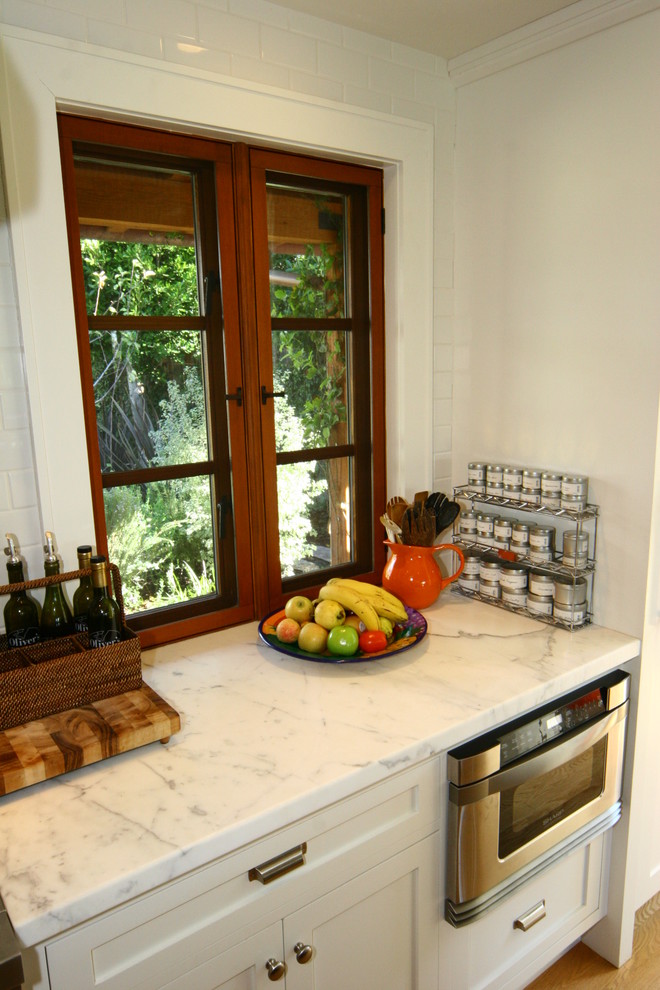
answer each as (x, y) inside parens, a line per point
(557, 566)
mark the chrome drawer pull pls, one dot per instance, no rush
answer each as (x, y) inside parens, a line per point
(280, 865)
(533, 916)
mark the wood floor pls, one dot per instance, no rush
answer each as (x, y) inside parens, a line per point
(582, 969)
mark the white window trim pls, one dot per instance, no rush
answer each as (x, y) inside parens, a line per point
(42, 76)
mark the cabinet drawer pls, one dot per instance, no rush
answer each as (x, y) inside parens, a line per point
(159, 935)
(496, 953)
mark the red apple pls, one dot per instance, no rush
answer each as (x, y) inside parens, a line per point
(287, 630)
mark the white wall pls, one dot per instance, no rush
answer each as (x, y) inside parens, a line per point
(557, 345)
(646, 834)
(557, 289)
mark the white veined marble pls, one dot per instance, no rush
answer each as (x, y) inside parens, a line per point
(266, 740)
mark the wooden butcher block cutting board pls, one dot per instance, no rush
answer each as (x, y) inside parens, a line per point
(75, 738)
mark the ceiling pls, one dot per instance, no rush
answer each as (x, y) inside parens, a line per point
(443, 27)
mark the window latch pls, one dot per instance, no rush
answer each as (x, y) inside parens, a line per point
(211, 282)
(265, 395)
(236, 396)
(223, 509)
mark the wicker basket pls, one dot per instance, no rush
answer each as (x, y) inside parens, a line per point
(63, 673)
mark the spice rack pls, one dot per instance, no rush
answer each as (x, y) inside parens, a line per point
(587, 519)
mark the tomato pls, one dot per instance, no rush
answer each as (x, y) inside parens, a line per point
(373, 640)
(343, 641)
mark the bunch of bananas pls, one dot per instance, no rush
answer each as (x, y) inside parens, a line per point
(367, 601)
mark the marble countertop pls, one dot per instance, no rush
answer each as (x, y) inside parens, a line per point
(266, 740)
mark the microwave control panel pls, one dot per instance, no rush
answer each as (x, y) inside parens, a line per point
(548, 726)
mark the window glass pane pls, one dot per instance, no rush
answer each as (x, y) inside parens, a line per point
(310, 368)
(306, 233)
(137, 240)
(160, 535)
(315, 506)
(149, 397)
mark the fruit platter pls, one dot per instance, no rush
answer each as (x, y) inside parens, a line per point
(349, 622)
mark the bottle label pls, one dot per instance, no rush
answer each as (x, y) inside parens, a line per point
(23, 637)
(103, 637)
(80, 623)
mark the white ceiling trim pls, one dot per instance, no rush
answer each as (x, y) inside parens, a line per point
(561, 28)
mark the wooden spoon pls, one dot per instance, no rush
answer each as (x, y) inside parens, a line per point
(396, 508)
(424, 525)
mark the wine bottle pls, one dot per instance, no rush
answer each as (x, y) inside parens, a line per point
(55, 614)
(104, 616)
(21, 612)
(83, 596)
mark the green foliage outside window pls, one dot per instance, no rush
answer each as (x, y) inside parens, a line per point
(151, 410)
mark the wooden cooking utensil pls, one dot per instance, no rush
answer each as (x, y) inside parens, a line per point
(393, 531)
(418, 526)
(396, 508)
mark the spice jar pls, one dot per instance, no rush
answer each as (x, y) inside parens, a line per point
(467, 524)
(513, 577)
(494, 474)
(542, 585)
(517, 597)
(477, 477)
(472, 562)
(542, 537)
(576, 549)
(539, 605)
(520, 537)
(490, 570)
(570, 591)
(512, 476)
(485, 525)
(574, 489)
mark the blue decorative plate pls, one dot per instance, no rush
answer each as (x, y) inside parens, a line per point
(406, 635)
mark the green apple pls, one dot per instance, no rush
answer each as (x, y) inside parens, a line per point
(343, 641)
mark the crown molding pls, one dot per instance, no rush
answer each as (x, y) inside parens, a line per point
(579, 20)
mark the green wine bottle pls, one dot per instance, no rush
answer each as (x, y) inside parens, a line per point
(21, 612)
(55, 614)
(83, 596)
(104, 616)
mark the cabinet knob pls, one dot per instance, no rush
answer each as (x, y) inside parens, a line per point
(303, 952)
(276, 969)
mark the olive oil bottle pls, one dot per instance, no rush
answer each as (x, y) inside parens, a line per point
(56, 617)
(83, 596)
(104, 615)
(21, 612)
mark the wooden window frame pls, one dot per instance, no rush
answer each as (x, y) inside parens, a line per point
(365, 323)
(260, 586)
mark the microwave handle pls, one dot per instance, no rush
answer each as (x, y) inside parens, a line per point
(551, 756)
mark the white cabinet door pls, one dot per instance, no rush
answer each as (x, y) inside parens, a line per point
(243, 967)
(376, 931)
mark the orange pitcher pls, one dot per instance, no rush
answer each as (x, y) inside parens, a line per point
(412, 573)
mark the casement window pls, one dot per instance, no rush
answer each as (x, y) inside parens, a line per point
(229, 311)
